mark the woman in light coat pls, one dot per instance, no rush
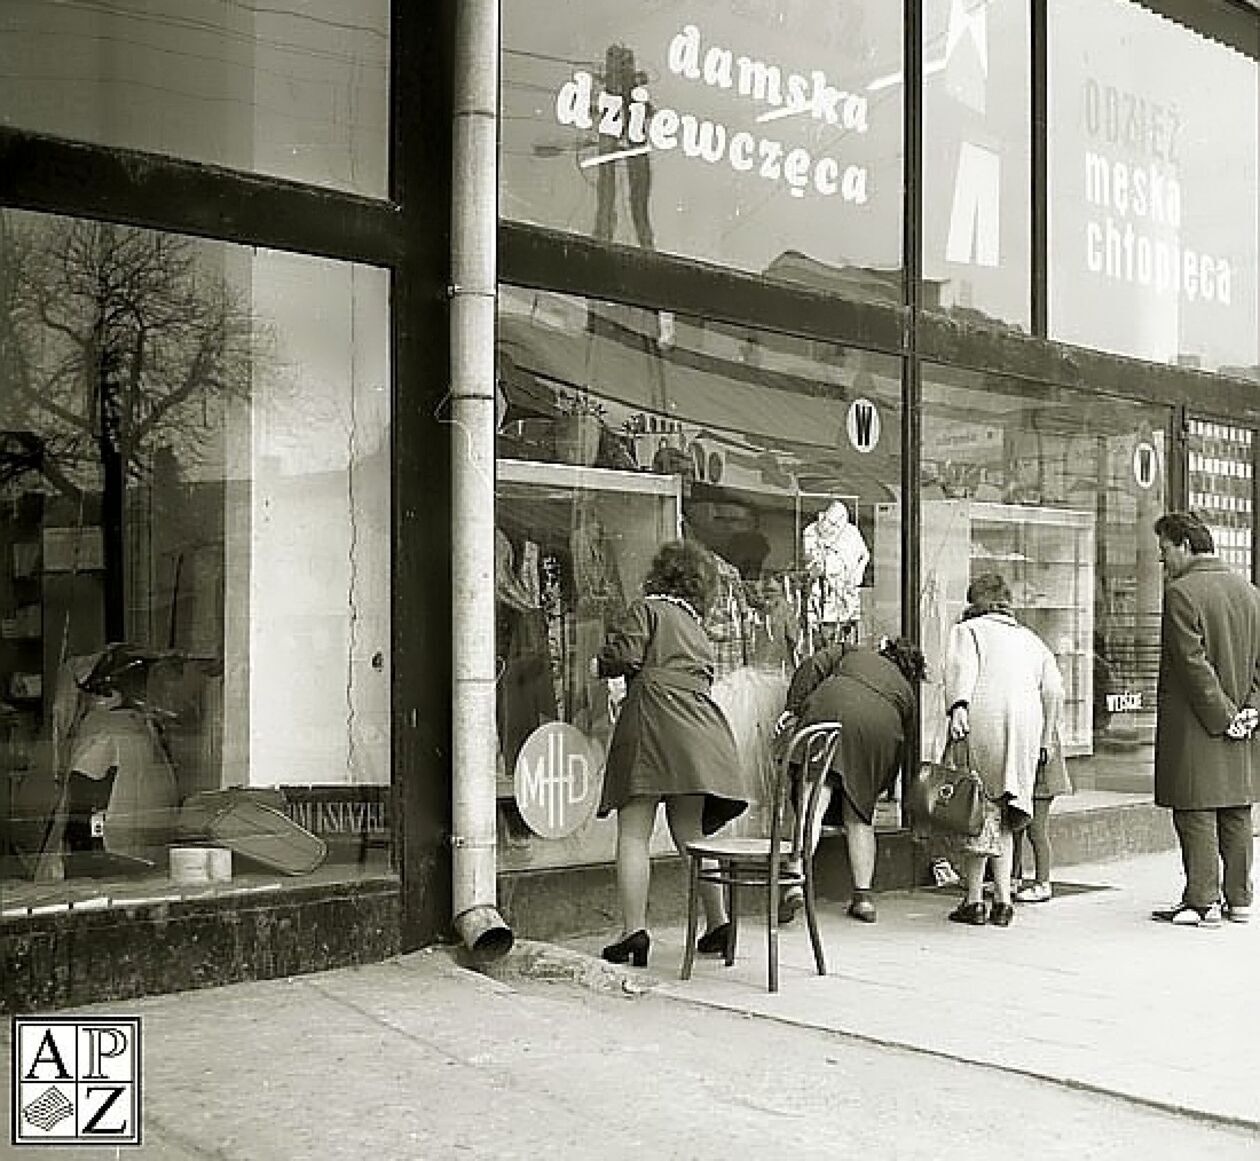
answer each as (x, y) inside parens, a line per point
(1005, 696)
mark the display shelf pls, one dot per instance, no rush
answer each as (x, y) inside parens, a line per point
(1047, 556)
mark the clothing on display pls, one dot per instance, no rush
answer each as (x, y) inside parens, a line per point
(836, 556)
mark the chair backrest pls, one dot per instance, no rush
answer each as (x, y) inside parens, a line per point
(799, 775)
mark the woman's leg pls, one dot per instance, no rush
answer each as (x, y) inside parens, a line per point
(859, 835)
(685, 814)
(1002, 865)
(1039, 837)
(973, 876)
(634, 867)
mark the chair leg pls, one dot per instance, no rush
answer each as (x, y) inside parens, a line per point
(811, 918)
(732, 910)
(693, 890)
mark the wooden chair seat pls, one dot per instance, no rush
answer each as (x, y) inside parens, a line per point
(774, 861)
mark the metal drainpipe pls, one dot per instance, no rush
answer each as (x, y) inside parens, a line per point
(474, 209)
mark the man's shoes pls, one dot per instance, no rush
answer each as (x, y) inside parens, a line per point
(1001, 914)
(1236, 914)
(1183, 915)
(1034, 893)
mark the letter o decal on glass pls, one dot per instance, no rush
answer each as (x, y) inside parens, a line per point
(1145, 464)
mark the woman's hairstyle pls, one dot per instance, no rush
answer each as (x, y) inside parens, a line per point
(989, 593)
(905, 655)
(1185, 528)
(683, 568)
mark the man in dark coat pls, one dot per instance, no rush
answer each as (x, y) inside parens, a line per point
(1209, 693)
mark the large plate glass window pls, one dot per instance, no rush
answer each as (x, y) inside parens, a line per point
(976, 167)
(194, 565)
(297, 91)
(622, 428)
(1057, 491)
(761, 136)
(1153, 180)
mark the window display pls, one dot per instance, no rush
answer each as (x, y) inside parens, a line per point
(1057, 492)
(622, 428)
(194, 566)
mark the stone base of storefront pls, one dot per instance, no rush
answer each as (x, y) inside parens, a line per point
(70, 957)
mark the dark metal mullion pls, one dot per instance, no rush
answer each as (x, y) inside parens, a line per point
(911, 393)
(49, 175)
(1040, 266)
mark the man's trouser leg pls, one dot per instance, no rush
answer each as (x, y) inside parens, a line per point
(1233, 824)
(1196, 832)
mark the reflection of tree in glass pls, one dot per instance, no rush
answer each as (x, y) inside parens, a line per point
(114, 343)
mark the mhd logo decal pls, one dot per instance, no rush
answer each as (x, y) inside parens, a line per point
(75, 1080)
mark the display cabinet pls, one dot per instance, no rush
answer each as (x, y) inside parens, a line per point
(1047, 556)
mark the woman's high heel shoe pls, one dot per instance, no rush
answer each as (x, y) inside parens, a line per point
(632, 949)
(714, 940)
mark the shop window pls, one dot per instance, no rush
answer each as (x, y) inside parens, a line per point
(194, 566)
(977, 107)
(297, 91)
(762, 136)
(1057, 491)
(622, 428)
(1152, 189)
(1220, 461)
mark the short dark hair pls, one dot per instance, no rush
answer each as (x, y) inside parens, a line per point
(988, 590)
(1186, 528)
(683, 568)
(905, 655)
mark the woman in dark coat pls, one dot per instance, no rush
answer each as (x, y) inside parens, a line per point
(871, 693)
(671, 742)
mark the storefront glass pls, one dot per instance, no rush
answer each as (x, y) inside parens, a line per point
(977, 110)
(764, 137)
(194, 566)
(297, 91)
(1057, 491)
(622, 428)
(1152, 189)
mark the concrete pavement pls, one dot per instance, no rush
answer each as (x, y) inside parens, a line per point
(925, 1040)
(1085, 990)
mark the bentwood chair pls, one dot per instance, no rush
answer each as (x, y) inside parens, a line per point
(783, 859)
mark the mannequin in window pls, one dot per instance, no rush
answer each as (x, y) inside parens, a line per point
(836, 557)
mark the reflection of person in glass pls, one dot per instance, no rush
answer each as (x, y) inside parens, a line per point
(1209, 695)
(1005, 695)
(836, 556)
(671, 742)
(872, 694)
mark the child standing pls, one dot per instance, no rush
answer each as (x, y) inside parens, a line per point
(1052, 780)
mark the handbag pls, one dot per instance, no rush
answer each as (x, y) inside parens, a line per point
(949, 794)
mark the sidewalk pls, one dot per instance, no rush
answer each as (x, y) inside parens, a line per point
(418, 1057)
(1085, 990)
